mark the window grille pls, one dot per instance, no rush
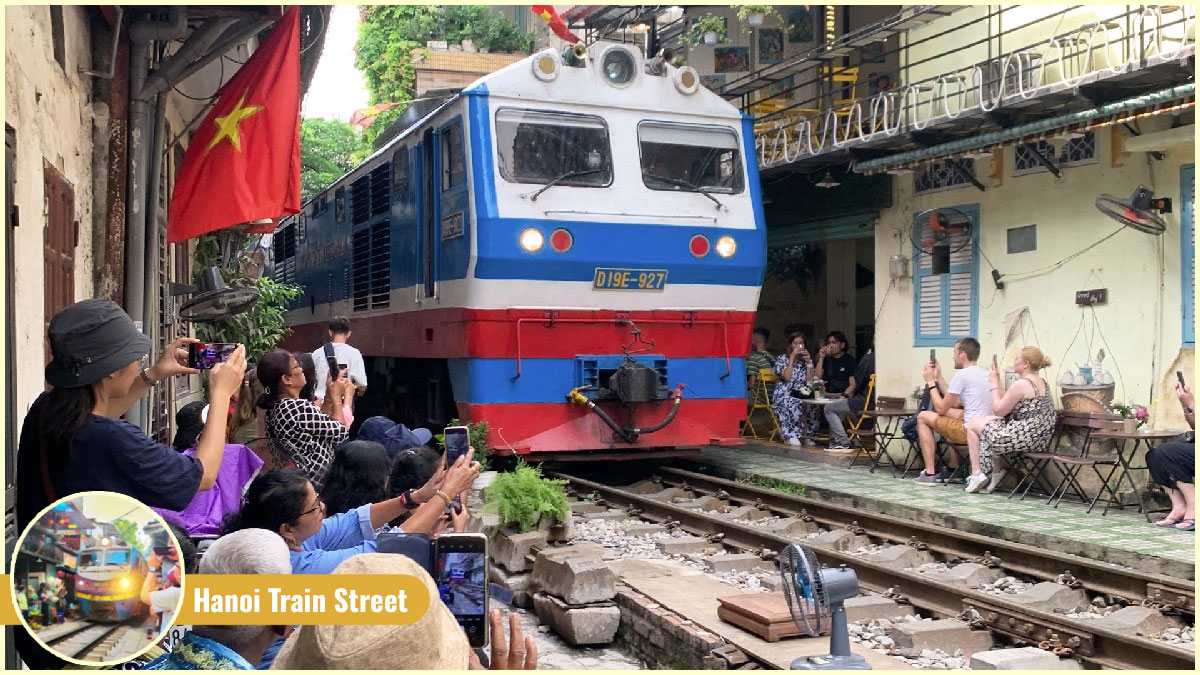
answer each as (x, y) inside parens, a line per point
(937, 176)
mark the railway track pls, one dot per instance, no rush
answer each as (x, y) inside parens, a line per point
(1093, 644)
(91, 642)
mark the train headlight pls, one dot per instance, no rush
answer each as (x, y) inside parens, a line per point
(726, 247)
(618, 66)
(545, 66)
(532, 240)
(124, 583)
(686, 80)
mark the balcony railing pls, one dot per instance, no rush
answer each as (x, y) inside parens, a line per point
(990, 61)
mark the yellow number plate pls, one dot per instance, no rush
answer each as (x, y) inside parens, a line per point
(615, 279)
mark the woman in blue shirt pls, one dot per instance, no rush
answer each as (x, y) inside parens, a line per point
(285, 502)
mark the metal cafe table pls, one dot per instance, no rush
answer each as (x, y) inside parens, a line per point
(1121, 464)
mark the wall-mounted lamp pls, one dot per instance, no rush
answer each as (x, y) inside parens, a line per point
(898, 267)
(827, 181)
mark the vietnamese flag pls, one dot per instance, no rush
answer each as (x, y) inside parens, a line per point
(243, 162)
(556, 23)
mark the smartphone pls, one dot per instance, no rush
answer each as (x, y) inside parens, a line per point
(332, 364)
(1179, 374)
(419, 547)
(454, 506)
(205, 355)
(462, 582)
(456, 444)
(933, 356)
(995, 363)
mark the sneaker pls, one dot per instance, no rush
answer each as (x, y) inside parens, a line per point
(839, 447)
(945, 475)
(996, 478)
(975, 482)
(794, 442)
(925, 479)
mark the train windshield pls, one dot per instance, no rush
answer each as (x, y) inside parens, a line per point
(90, 558)
(690, 158)
(117, 557)
(546, 147)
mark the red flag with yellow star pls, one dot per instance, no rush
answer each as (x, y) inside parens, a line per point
(556, 23)
(243, 162)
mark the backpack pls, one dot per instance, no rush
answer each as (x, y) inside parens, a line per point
(908, 428)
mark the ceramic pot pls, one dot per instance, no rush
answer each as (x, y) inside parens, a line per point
(755, 19)
(710, 38)
(1130, 426)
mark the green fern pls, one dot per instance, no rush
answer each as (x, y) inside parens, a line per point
(523, 496)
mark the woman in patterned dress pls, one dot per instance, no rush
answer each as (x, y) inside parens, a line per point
(794, 370)
(1026, 425)
(298, 433)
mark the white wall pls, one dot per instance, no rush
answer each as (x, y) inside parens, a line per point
(1141, 320)
(50, 108)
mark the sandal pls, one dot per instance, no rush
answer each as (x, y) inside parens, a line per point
(1190, 523)
(1168, 522)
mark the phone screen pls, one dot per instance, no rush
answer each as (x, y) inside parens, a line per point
(462, 585)
(1179, 374)
(933, 356)
(205, 355)
(456, 444)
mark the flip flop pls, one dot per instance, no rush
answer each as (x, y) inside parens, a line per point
(1191, 526)
(1168, 522)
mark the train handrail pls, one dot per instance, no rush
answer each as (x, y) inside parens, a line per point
(618, 320)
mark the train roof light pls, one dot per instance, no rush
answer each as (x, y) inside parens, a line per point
(532, 240)
(686, 80)
(104, 541)
(618, 66)
(726, 247)
(546, 66)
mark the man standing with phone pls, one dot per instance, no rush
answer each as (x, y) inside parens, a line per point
(349, 359)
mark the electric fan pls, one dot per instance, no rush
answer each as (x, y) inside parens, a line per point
(940, 232)
(1137, 211)
(816, 597)
(212, 300)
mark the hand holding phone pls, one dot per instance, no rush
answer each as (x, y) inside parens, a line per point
(933, 356)
(457, 441)
(1179, 374)
(462, 582)
(332, 364)
(995, 364)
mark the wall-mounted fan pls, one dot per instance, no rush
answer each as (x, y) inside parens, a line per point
(816, 597)
(212, 300)
(1138, 211)
(940, 232)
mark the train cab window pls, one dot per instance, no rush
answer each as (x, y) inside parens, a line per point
(339, 205)
(117, 556)
(89, 559)
(454, 166)
(399, 171)
(547, 147)
(690, 158)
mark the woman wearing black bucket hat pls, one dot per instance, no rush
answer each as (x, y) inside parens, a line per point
(73, 440)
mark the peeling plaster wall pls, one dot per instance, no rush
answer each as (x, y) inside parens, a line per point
(50, 107)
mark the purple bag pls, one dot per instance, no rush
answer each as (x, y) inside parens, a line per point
(208, 508)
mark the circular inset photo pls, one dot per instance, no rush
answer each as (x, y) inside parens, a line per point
(97, 578)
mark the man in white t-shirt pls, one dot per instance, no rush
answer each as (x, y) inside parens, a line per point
(349, 359)
(968, 396)
(162, 600)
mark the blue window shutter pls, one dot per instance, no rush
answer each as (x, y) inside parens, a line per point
(1187, 236)
(945, 307)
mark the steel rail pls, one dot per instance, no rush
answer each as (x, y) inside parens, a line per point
(1089, 643)
(1129, 584)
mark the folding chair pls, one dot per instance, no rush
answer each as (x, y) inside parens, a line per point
(761, 400)
(862, 429)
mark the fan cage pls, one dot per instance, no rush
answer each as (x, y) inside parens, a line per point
(1122, 211)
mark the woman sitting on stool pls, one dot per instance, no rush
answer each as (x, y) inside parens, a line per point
(1173, 466)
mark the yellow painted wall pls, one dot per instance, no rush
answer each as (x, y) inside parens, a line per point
(1142, 318)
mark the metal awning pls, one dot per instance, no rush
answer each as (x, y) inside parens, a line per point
(1171, 99)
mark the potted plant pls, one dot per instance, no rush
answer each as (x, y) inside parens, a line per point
(1134, 415)
(524, 499)
(708, 30)
(755, 15)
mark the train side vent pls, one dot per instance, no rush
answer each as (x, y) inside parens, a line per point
(380, 183)
(381, 264)
(361, 270)
(360, 200)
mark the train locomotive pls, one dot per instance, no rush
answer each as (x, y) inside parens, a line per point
(108, 581)
(570, 249)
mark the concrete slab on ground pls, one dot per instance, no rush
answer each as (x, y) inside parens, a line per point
(1122, 537)
(692, 593)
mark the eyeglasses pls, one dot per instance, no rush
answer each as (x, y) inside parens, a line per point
(319, 507)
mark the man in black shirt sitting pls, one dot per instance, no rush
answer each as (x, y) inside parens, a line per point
(835, 366)
(856, 401)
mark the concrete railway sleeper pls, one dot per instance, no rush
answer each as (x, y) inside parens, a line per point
(1094, 642)
(91, 643)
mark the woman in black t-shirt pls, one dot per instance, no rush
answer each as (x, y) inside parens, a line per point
(298, 433)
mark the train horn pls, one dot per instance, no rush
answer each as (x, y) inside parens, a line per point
(574, 55)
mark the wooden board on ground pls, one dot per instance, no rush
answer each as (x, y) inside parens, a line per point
(764, 614)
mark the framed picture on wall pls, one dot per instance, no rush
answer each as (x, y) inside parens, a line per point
(778, 88)
(872, 53)
(770, 46)
(800, 25)
(712, 82)
(731, 59)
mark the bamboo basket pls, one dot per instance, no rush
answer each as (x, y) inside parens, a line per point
(1087, 398)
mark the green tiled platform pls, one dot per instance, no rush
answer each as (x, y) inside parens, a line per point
(1122, 536)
